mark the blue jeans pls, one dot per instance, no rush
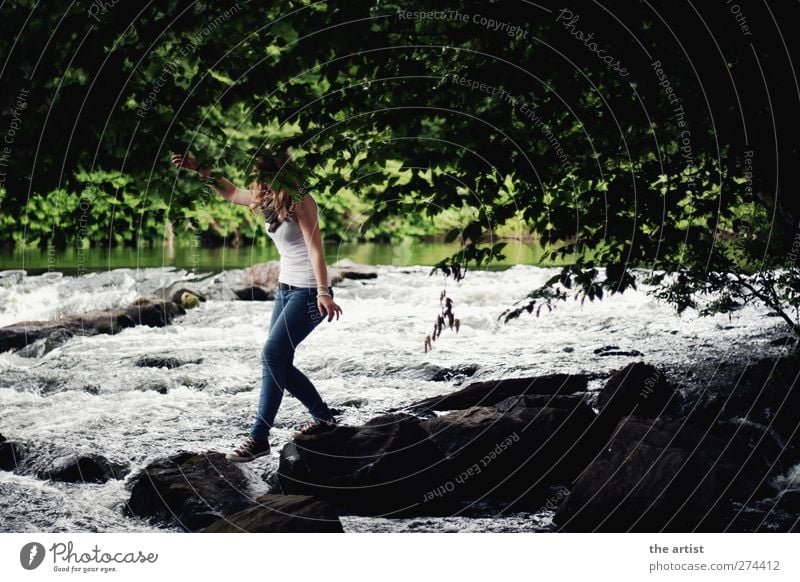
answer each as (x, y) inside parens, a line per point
(294, 317)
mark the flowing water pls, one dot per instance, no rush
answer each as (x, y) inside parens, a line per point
(89, 396)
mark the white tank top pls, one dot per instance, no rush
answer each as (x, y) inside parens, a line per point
(295, 265)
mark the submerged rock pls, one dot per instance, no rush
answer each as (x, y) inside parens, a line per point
(164, 362)
(189, 490)
(281, 514)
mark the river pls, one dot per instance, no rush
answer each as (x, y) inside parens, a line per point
(89, 396)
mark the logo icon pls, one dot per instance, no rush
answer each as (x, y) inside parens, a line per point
(32, 555)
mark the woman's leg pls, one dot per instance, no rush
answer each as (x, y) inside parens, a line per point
(269, 392)
(297, 319)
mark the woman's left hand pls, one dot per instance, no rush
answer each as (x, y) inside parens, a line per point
(327, 306)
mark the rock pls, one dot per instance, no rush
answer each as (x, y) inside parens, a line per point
(354, 403)
(520, 451)
(457, 373)
(281, 514)
(154, 313)
(88, 468)
(383, 466)
(347, 269)
(190, 490)
(789, 501)
(662, 475)
(57, 331)
(263, 275)
(567, 402)
(255, 293)
(608, 351)
(784, 341)
(638, 389)
(10, 454)
(189, 301)
(164, 362)
(492, 392)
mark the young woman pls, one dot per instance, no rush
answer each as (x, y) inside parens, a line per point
(303, 298)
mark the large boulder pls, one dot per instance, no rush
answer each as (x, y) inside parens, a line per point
(639, 389)
(512, 452)
(491, 392)
(255, 293)
(384, 466)
(188, 490)
(766, 391)
(663, 475)
(281, 514)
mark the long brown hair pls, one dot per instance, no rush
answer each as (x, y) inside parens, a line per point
(275, 179)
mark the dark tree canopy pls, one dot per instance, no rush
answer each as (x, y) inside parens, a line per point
(646, 133)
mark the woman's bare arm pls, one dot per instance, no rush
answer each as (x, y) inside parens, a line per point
(217, 182)
(309, 224)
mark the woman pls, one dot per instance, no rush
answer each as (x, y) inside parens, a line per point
(303, 297)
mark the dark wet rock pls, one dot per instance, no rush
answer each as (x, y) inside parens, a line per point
(519, 451)
(41, 347)
(354, 403)
(766, 392)
(141, 312)
(382, 466)
(85, 468)
(188, 490)
(786, 340)
(568, 402)
(664, 475)
(156, 385)
(255, 293)
(10, 454)
(639, 389)
(281, 514)
(492, 392)
(347, 269)
(163, 362)
(608, 351)
(451, 374)
(154, 313)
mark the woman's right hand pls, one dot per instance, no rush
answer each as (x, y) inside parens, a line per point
(189, 162)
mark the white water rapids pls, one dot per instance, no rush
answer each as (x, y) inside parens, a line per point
(88, 396)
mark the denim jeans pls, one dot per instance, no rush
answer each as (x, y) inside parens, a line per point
(294, 317)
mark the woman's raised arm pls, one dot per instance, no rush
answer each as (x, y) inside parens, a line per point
(220, 184)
